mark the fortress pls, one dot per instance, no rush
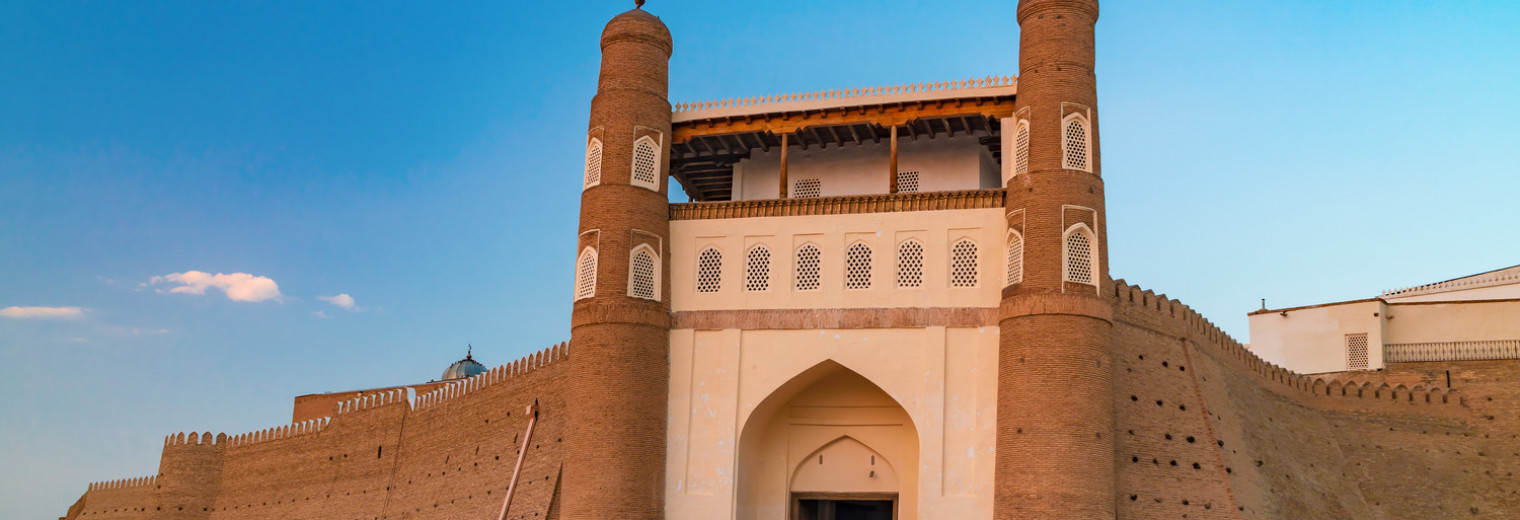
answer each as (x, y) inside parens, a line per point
(881, 303)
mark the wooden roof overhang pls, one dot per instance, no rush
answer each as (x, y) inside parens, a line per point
(704, 151)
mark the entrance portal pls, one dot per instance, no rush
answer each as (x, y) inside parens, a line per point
(842, 508)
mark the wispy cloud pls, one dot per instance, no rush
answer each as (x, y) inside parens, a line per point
(342, 301)
(26, 313)
(320, 314)
(241, 287)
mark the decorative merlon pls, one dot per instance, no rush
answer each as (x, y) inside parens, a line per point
(823, 99)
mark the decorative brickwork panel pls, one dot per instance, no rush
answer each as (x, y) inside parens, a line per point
(709, 271)
(907, 182)
(808, 272)
(963, 266)
(857, 269)
(807, 188)
(757, 269)
(585, 274)
(1356, 351)
(910, 264)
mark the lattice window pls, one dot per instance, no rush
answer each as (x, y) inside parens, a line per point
(1075, 144)
(910, 264)
(593, 163)
(646, 163)
(857, 267)
(1356, 351)
(1015, 258)
(1079, 258)
(757, 269)
(643, 275)
(1021, 149)
(808, 273)
(709, 270)
(585, 274)
(963, 264)
(907, 182)
(806, 188)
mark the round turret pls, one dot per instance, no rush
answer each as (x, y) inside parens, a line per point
(637, 24)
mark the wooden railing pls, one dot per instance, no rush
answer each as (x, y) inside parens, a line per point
(843, 205)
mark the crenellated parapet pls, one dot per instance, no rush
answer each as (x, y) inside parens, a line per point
(797, 102)
(1164, 314)
(280, 432)
(531, 362)
(194, 439)
(139, 482)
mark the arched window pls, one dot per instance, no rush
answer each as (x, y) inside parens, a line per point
(1021, 149)
(857, 268)
(709, 270)
(644, 273)
(1015, 258)
(1081, 262)
(593, 163)
(910, 264)
(646, 163)
(585, 274)
(963, 264)
(1075, 143)
(808, 258)
(757, 269)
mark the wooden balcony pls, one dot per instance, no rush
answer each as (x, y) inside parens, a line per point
(843, 205)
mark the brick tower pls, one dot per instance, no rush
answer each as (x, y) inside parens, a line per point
(620, 326)
(1055, 445)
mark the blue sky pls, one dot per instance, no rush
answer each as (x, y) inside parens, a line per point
(423, 159)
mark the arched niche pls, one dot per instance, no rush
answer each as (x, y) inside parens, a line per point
(838, 414)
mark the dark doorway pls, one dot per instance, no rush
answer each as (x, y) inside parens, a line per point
(844, 510)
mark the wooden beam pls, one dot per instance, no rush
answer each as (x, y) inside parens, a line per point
(996, 106)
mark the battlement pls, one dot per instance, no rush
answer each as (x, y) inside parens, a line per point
(524, 365)
(825, 99)
(139, 482)
(281, 432)
(1165, 311)
(194, 439)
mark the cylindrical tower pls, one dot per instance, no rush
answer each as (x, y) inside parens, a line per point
(1055, 448)
(620, 326)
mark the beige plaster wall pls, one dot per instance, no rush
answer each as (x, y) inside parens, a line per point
(1313, 340)
(778, 396)
(944, 164)
(1442, 322)
(936, 230)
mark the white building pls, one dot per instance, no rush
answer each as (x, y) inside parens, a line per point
(1475, 317)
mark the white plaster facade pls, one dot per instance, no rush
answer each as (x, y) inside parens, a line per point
(943, 163)
(756, 415)
(1474, 317)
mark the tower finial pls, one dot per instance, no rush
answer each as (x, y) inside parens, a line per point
(638, 4)
(469, 350)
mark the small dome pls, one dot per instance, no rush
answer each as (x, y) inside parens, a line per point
(637, 24)
(463, 368)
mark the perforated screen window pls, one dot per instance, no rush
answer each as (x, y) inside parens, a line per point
(857, 268)
(1076, 145)
(585, 274)
(646, 164)
(1079, 258)
(1356, 351)
(709, 270)
(593, 163)
(808, 257)
(907, 182)
(963, 264)
(806, 188)
(1021, 149)
(1015, 259)
(641, 277)
(757, 269)
(910, 264)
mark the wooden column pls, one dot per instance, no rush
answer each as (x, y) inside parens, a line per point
(892, 164)
(783, 165)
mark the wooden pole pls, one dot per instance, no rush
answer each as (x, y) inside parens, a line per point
(783, 165)
(892, 164)
(506, 503)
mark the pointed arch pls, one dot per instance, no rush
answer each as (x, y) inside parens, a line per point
(1076, 142)
(644, 273)
(709, 270)
(1021, 148)
(808, 262)
(964, 268)
(1080, 255)
(593, 163)
(646, 163)
(910, 263)
(1015, 258)
(857, 268)
(585, 274)
(757, 268)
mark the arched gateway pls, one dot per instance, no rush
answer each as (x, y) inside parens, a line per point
(826, 446)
